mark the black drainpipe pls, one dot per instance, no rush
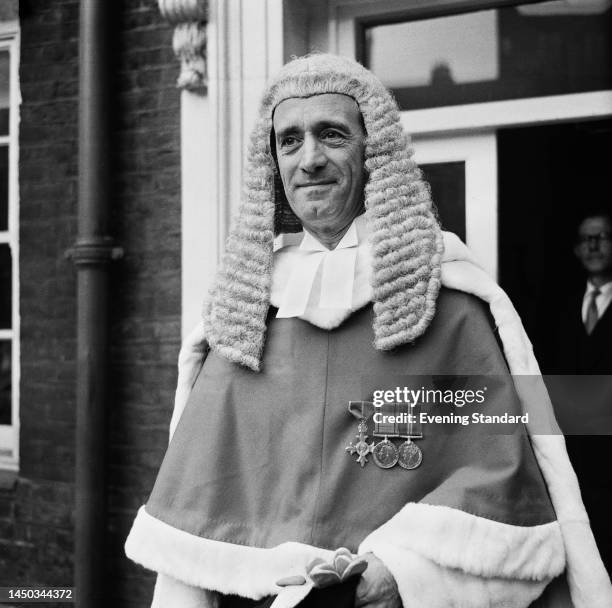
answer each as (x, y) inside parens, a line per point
(91, 255)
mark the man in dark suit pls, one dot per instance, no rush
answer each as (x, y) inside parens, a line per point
(584, 347)
(592, 344)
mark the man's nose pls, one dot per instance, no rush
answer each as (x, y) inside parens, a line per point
(313, 155)
(593, 243)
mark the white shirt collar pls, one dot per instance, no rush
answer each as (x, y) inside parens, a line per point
(605, 288)
(350, 239)
(312, 282)
(356, 233)
(287, 239)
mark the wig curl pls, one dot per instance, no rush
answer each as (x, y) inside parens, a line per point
(405, 236)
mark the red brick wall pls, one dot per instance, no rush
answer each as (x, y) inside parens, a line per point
(36, 515)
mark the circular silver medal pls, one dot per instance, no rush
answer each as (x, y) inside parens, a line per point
(385, 454)
(410, 455)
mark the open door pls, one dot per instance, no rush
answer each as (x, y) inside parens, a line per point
(549, 175)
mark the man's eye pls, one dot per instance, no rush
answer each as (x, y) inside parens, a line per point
(331, 135)
(288, 141)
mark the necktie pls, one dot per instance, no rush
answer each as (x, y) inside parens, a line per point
(592, 315)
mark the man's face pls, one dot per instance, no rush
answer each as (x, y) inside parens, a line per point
(594, 247)
(320, 152)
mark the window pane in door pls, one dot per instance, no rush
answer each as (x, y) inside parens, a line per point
(5, 382)
(5, 70)
(509, 53)
(447, 181)
(6, 287)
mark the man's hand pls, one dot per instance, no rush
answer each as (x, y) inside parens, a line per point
(377, 587)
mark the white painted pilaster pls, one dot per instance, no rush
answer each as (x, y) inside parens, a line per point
(244, 49)
(200, 243)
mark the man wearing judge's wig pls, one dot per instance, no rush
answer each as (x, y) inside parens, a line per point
(284, 483)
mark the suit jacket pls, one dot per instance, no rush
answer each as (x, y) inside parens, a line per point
(577, 352)
(580, 377)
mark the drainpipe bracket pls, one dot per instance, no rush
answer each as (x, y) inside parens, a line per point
(94, 251)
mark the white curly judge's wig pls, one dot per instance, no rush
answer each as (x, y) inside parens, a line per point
(405, 236)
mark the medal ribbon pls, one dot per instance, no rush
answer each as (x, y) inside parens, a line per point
(361, 410)
(386, 428)
(406, 422)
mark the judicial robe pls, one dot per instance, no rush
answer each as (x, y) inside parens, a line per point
(256, 481)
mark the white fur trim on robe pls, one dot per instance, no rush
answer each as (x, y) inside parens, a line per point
(455, 539)
(423, 583)
(215, 565)
(432, 565)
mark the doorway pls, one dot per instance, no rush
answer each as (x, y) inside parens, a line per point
(548, 176)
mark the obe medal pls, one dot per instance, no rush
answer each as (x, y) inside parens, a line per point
(385, 454)
(410, 455)
(361, 447)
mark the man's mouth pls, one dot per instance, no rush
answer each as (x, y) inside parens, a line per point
(314, 184)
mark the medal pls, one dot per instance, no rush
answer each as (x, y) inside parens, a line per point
(410, 455)
(385, 454)
(361, 447)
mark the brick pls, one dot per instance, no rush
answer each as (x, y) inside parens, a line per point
(61, 112)
(6, 506)
(47, 54)
(64, 152)
(55, 12)
(7, 530)
(148, 57)
(143, 19)
(53, 89)
(149, 78)
(33, 73)
(42, 458)
(50, 32)
(33, 134)
(141, 38)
